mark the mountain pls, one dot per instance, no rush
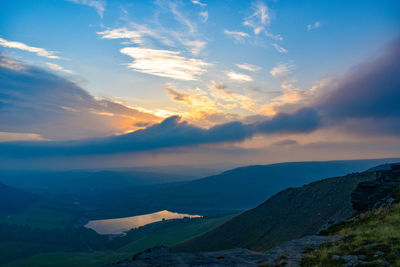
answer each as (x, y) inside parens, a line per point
(238, 189)
(83, 182)
(367, 239)
(290, 214)
(121, 193)
(14, 200)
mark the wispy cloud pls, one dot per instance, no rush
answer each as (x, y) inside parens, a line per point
(313, 26)
(238, 36)
(249, 67)
(274, 36)
(58, 68)
(181, 18)
(239, 76)
(99, 5)
(11, 64)
(280, 49)
(197, 2)
(123, 33)
(231, 100)
(165, 63)
(282, 69)
(259, 18)
(201, 105)
(204, 16)
(196, 46)
(37, 50)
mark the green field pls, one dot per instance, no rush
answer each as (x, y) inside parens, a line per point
(166, 233)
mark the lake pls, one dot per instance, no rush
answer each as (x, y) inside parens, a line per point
(121, 225)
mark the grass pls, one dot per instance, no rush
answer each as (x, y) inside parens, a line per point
(43, 218)
(373, 231)
(167, 233)
(288, 215)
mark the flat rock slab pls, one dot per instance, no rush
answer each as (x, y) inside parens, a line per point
(289, 252)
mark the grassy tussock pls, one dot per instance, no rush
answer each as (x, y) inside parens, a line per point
(373, 231)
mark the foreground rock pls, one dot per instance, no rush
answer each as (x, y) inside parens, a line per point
(290, 254)
(379, 193)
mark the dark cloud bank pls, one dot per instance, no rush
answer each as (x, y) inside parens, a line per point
(33, 100)
(366, 100)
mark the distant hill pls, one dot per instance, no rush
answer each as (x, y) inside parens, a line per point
(83, 182)
(14, 200)
(290, 214)
(241, 188)
(119, 193)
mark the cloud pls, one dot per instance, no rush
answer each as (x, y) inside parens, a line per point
(259, 18)
(58, 68)
(36, 101)
(123, 33)
(274, 36)
(236, 35)
(196, 46)
(282, 70)
(368, 95)
(11, 64)
(167, 134)
(286, 142)
(200, 104)
(229, 99)
(249, 67)
(314, 26)
(197, 2)
(280, 49)
(18, 45)
(204, 16)
(239, 76)
(181, 18)
(99, 5)
(165, 63)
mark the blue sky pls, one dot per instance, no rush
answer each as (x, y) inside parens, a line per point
(210, 62)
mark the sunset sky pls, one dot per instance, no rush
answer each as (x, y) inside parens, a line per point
(112, 83)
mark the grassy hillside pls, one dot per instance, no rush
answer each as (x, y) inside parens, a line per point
(22, 246)
(374, 239)
(290, 214)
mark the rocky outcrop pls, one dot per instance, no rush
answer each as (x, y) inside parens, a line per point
(381, 192)
(288, 254)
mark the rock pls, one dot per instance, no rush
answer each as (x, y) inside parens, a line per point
(378, 193)
(362, 257)
(379, 253)
(336, 257)
(350, 260)
(292, 251)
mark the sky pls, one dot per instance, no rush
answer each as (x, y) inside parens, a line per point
(95, 83)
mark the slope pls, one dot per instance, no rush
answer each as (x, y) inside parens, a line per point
(290, 214)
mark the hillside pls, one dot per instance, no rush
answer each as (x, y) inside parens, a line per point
(14, 200)
(373, 237)
(231, 191)
(290, 214)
